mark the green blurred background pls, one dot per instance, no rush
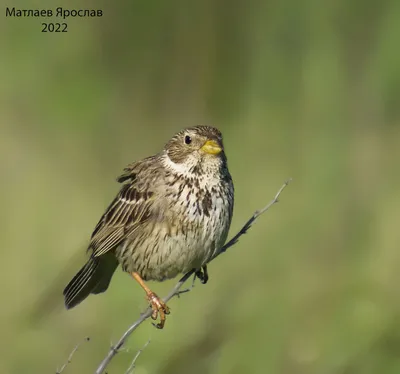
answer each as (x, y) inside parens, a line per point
(309, 90)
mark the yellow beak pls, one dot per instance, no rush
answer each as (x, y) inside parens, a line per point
(211, 147)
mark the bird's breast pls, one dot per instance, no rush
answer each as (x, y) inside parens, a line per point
(191, 224)
(201, 215)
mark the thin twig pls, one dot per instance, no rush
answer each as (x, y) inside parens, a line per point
(250, 222)
(133, 363)
(59, 371)
(176, 290)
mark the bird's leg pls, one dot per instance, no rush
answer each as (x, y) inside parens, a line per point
(202, 275)
(157, 305)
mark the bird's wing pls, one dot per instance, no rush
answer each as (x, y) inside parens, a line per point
(131, 208)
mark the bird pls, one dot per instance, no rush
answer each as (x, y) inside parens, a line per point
(171, 215)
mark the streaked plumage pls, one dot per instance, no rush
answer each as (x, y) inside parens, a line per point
(172, 213)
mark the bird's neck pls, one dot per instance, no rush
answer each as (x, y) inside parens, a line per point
(208, 174)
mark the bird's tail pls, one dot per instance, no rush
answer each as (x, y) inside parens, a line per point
(94, 277)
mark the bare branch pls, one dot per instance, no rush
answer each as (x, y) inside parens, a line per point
(176, 290)
(59, 371)
(132, 366)
(250, 222)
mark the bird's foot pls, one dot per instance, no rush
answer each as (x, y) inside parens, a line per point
(159, 308)
(202, 275)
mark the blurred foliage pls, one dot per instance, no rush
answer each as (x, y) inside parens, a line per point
(309, 90)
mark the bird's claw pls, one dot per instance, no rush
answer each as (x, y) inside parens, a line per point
(159, 308)
(202, 274)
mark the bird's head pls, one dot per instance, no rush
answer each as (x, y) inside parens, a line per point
(196, 148)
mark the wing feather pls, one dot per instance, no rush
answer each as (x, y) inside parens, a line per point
(131, 208)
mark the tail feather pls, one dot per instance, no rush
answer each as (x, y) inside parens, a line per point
(94, 277)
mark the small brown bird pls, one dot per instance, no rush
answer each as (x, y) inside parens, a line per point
(171, 215)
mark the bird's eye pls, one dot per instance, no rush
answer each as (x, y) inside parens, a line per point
(188, 139)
